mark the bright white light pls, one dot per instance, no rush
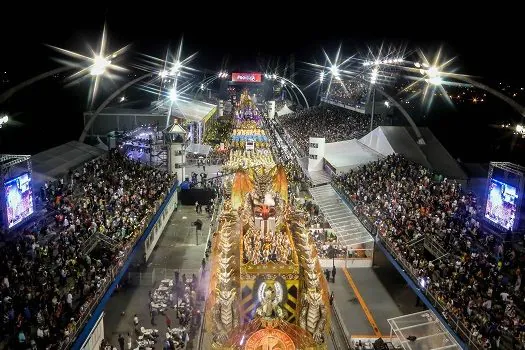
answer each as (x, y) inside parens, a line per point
(274, 76)
(202, 86)
(163, 74)
(435, 80)
(387, 104)
(417, 64)
(321, 76)
(433, 72)
(4, 119)
(519, 128)
(123, 98)
(99, 65)
(335, 71)
(173, 94)
(373, 75)
(433, 76)
(176, 68)
(282, 82)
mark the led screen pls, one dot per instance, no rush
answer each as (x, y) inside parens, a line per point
(19, 199)
(501, 204)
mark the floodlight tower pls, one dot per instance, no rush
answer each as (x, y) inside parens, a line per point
(373, 80)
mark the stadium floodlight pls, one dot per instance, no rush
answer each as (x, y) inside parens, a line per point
(433, 75)
(321, 76)
(335, 71)
(99, 65)
(202, 86)
(387, 104)
(122, 99)
(373, 75)
(519, 129)
(417, 64)
(173, 94)
(4, 120)
(274, 76)
(176, 68)
(163, 73)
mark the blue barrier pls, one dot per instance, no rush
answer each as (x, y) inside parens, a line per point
(405, 276)
(81, 338)
(420, 295)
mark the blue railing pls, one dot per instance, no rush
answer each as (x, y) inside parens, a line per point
(453, 326)
(119, 273)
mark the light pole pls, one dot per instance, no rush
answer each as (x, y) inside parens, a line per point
(373, 80)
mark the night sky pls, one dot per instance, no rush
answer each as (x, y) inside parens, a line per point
(485, 41)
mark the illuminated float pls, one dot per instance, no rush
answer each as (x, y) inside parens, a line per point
(266, 289)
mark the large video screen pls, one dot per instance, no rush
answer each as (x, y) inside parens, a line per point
(19, 199)
(246, 77)
(501, 204)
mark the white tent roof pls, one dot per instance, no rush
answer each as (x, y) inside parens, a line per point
(285, 110)
(192, 110)
(395, 139)
(428, 330)
(388, 140)
(350, 154)
(59, 160)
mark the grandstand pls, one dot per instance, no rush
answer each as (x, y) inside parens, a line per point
(77, 256)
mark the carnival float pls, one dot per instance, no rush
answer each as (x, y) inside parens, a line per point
(266, 289)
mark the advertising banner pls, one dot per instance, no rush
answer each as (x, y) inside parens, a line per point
(246, 77)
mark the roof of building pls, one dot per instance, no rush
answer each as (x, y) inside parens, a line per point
(402, 140)
(60, 159)
(349, 154)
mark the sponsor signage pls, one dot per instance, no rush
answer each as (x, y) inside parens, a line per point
(246, 77)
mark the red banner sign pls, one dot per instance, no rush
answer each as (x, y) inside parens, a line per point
(246, 77)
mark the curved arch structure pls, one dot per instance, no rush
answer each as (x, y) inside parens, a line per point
(403, 111)
(108, 100)
(519, 108)
(300, 91)
(7, 94)
(292, 92)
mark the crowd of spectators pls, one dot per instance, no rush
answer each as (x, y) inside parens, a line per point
(51, 275)
(352, 93)
(331, 122)
(478, 281)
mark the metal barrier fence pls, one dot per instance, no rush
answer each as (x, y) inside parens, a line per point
(89, 306)
(457, 325)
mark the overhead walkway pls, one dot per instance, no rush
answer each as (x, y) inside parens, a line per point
(345, 224)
